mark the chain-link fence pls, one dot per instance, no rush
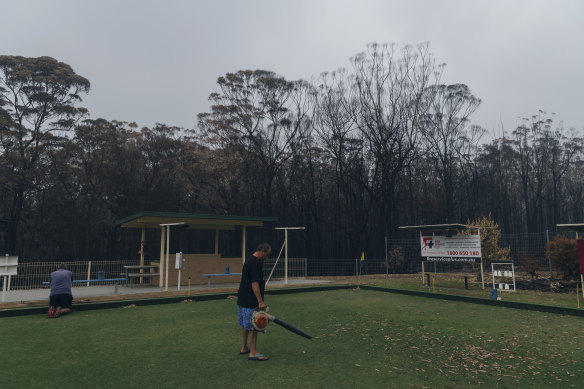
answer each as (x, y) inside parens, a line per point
(532, 268)
(527, 251)
(275, 269)
(32, 275)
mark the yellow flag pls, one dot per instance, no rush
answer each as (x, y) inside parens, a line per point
(362, 256)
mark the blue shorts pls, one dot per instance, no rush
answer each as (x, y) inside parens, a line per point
(244, 317)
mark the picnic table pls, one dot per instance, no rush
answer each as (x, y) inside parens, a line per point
(130, 272)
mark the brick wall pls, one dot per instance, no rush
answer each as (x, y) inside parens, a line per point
(194, 265)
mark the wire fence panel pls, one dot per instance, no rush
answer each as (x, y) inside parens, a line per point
(32, 275)
(331, 267)
(404, 254)
(403, 257)
(532, 247)
(296, 268)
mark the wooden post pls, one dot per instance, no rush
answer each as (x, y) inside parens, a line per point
(482, 271)
(423, 279)
(167, 259)
(161, 262)
(286, 256)
(581, 276)
(243, 238)
(142, 242)
(88, 272)
(216, 241)
(4, 288)
(142, 246)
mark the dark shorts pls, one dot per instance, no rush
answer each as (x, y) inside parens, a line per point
(64, 300)
(244, 317)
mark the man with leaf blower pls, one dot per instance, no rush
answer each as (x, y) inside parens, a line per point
(250, 297)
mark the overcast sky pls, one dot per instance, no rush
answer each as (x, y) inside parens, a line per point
(157, 61)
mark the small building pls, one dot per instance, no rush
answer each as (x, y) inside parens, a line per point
(194, 264)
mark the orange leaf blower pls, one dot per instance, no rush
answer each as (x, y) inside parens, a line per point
(260, 320)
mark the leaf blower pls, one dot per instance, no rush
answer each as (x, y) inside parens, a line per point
(260, 320)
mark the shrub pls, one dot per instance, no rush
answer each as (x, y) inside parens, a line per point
(490, 235)
(395, 257)
(563, 253)
(531, 267)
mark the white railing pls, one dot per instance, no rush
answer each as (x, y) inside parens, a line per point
(32, 275)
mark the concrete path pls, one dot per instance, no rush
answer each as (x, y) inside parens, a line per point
(79, 292)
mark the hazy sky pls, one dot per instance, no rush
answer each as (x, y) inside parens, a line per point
(157, 61)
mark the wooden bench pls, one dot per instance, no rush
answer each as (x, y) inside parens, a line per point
(130, 276)
(114, 280)
(209, 276)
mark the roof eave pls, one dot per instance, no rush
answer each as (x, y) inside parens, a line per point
(149, 219)
(438, 227)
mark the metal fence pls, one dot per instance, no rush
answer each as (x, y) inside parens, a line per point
(297, 267)
(531, 246)
(403, 258)
(32, 275)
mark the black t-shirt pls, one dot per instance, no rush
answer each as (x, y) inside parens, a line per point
(252, 272)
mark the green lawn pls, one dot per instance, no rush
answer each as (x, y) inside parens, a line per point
(361, 339)
(455, 285)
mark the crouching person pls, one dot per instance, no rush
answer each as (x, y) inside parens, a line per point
(61, 298)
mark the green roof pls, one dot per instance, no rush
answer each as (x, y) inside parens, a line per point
(149, 219)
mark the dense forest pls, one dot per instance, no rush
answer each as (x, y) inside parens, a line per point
(351, 156)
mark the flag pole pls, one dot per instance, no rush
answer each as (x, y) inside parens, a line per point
(361, 264)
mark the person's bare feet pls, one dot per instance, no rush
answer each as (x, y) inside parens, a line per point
(257, 357)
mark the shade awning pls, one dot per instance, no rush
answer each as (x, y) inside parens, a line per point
(150, 219)
(438, 227)
(575, 227)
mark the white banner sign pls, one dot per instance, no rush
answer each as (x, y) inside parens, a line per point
(459, 246)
